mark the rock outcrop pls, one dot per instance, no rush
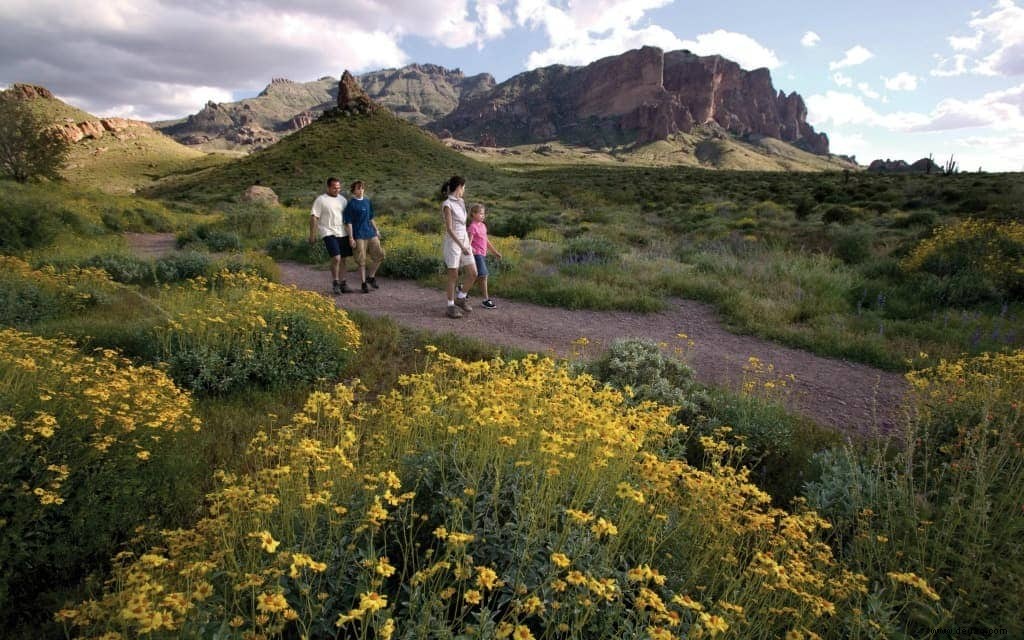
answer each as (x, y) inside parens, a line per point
(640, 96)
(352, 98)
(30, 91)
(924, 165)
(422, 93)
(121, 128)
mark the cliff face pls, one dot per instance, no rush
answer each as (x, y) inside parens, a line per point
(642, 95)
(422, 93)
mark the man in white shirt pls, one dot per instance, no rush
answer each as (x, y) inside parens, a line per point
(325, 222)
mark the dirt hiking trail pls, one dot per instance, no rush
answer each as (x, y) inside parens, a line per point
(850, 397)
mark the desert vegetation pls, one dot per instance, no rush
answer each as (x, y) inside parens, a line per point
(191, 449)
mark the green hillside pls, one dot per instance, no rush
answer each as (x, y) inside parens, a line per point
(389, 153)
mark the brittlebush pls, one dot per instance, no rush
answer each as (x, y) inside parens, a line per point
(491, 499)
(82, 459)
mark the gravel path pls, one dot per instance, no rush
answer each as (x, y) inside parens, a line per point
(834, 393)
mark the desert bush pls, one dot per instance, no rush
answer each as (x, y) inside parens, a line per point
(590, 250)
(852, 244)
(839, 214)
(87, 446)
(982, 259)
(637, 364)
(26, 220)
(238, 331)
(538, 509)
(253, 220)
(211, 237)
(296, 250)
(121, 267)
(138, 218)
(181, 266)
(411, 255)
(942, 498)
(251, 262)
(516, 224)
(28, 296)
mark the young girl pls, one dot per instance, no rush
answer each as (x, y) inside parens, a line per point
(481, 245)
(457, 251)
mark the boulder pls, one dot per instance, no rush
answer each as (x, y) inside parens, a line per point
(257, 194)
(351, 96)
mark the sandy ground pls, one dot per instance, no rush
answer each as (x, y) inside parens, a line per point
(835, 393)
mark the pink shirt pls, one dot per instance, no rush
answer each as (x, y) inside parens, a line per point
(478, 237)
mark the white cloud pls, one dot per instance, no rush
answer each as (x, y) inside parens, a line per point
(866, 89)
(151, 58)
(737, 47)
(582, 32)
(955, 65)
(999, 110)
(854, 56)
(902, 81)
(585, 31)
(1002, 30)
(842, 79)
(810, 39)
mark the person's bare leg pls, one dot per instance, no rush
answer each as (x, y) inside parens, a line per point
(471, 274)
(453, 277)
(483, 285)
(337, 267)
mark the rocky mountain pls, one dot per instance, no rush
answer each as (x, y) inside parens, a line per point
(640, 96)
(422, 93)
(417, 93)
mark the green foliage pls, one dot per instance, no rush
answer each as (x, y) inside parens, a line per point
(238, 332)
(252, 220)
(28, 147)
(28, 296)
(942, 498)
(590, 250)
(80, 467)
(639, 365)
(212, 237)
(27, 221)
(139, 219)
(852, 244)
(518, 225)
(839, 214)
(296, 250)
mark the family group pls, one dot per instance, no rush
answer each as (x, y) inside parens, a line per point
(347, 229)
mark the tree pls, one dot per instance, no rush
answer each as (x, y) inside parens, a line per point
(28, 147)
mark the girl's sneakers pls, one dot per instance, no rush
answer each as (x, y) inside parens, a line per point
(488, 304)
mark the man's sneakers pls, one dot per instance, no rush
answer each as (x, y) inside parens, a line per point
(488, 304)
(372, 281)
(453, 312)
(463, 303)
(340, 287)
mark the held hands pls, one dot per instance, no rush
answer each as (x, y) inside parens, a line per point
(465, 250)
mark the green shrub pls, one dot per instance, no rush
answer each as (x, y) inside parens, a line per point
(296, 250)
(89, 449)
(238, 331)
(28, 296)
(27, 220)
(126, 268)
(253, 220)
(942, 497)
(411, 255)
(251, 262)
(590, 250)
(839, 214)
(139, 218)
(853, 244)
(211, 237)
(515, 224)
(182, 266)
(639, 364)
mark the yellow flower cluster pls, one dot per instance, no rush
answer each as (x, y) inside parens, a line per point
(989, 246)
(267, 549)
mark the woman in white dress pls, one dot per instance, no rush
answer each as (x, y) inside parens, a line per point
(457, 250)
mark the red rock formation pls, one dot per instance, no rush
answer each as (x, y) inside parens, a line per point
(299, 121)
(30, 91)
(642, 95)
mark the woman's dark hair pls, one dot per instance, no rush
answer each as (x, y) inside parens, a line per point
(451, 185)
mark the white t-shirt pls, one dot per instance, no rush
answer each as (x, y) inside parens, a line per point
(327, 211)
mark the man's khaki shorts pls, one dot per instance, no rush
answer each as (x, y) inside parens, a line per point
(368, 246)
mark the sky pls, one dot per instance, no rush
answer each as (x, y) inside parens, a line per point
(892, 79)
